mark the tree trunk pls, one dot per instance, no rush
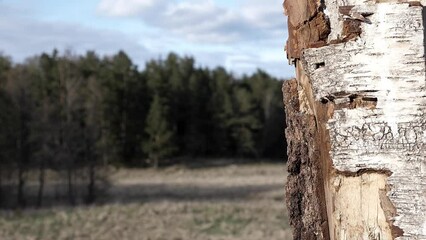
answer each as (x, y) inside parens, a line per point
(356, 119)
(21, 183)
(71, 197)
(91, 185)
(1, 186)
(156, 162)
(41, 178)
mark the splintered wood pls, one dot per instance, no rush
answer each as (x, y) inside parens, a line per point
(360, 91)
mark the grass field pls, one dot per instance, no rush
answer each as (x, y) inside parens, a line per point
(178, 203)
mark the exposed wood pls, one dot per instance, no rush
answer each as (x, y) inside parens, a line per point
(307, 26)
(356, 119)
(304, 186)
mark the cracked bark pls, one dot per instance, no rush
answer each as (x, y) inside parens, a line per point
(356, 119)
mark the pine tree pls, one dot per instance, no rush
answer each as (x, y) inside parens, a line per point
(244, 123)
(267, 95)
(124, 107)
(221, 111)
(160, 136)
(198, 119)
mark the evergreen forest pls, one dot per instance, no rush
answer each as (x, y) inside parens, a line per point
(68, 117)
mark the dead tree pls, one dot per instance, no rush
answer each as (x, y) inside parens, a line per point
(356, 119)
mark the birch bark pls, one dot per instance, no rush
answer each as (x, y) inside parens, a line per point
(356, 119)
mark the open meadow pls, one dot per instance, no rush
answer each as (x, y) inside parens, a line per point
(177, 203)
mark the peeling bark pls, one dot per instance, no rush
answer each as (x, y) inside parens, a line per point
(356, 119)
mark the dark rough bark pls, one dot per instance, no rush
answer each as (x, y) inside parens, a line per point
(304, 188)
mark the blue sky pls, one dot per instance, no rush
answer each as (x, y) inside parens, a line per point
(241, 35)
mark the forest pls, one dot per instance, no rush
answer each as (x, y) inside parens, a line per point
(65, 118)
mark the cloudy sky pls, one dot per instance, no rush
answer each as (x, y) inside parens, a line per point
(241, 35)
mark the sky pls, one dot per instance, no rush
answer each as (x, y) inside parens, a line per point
(240, 35)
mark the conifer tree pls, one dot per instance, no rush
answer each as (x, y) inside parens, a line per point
(244, 123)
(160, 136)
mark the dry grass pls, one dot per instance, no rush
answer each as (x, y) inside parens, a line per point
(231, 202)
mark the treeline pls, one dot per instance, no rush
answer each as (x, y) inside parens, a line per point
(71, 115)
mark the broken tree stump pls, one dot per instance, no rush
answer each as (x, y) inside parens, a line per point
(356, 126)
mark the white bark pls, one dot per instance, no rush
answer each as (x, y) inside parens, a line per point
(376, 87)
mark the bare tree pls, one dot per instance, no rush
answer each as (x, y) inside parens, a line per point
(93, 135)
(71, 134)
(20, 92)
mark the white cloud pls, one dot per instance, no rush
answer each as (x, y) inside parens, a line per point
(244, 37)
(23, 37)
(123, 8)
(204, 21)
(253, 32)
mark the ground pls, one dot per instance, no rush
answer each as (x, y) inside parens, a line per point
(218, 202)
